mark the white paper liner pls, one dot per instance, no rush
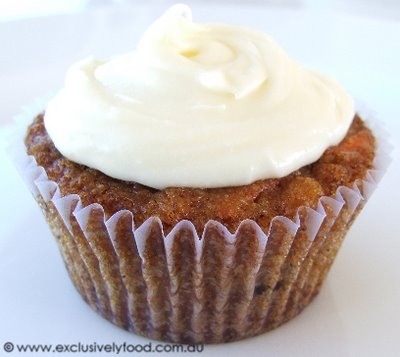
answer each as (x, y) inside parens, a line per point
(351, 198)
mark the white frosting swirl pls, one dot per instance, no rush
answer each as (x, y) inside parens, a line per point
(197, 106)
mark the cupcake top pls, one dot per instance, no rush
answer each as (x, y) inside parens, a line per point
(197, 106)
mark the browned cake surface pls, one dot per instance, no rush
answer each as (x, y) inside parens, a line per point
(260, 201)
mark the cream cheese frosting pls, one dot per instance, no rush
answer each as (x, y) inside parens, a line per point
(197, 105)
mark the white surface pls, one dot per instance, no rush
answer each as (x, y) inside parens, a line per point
(357, 312)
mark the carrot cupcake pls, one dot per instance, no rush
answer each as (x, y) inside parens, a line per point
(200, 187)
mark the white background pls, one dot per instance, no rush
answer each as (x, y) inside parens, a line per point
(357, 312)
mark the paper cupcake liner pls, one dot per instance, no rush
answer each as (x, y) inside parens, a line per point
(184, 288)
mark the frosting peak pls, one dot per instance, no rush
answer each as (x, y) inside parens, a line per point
(197, 105)
(221, 60)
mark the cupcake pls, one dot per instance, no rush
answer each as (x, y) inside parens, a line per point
(200, 187)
